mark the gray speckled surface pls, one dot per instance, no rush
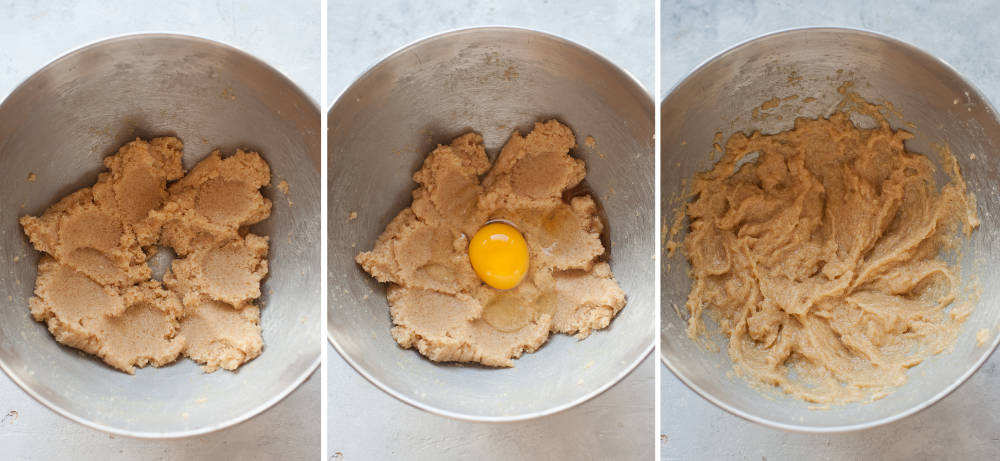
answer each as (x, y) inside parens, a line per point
(285, 36)
(965, 425)
(366, 423)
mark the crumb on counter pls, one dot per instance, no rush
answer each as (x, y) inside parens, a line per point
(32, 177)
(353, 216)
(283, 186)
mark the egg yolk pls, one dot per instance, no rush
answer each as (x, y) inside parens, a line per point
(499, 255)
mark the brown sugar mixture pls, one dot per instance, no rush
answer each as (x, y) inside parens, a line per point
(94, 289)
(819, 252)
(438, 304)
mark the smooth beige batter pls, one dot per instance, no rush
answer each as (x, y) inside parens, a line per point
(438, 304)
(821, 259)
(94, 288)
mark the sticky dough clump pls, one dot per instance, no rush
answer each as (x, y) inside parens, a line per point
(821, 258)
(94, 289)
(438, 304)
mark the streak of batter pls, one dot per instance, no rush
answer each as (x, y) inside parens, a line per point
(822, 260)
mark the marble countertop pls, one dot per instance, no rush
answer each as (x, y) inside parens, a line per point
(616, 425)
(33, 33)
(964, 425)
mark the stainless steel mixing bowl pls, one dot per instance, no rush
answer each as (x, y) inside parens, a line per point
(489, 80)
(945, 109)
(62, 121)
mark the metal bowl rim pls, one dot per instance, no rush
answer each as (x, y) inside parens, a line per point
(150, 434)
(846, 427)
(626, 370)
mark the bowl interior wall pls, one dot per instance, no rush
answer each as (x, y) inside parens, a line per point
(63, 121)
(491, 81)
(720, 97)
